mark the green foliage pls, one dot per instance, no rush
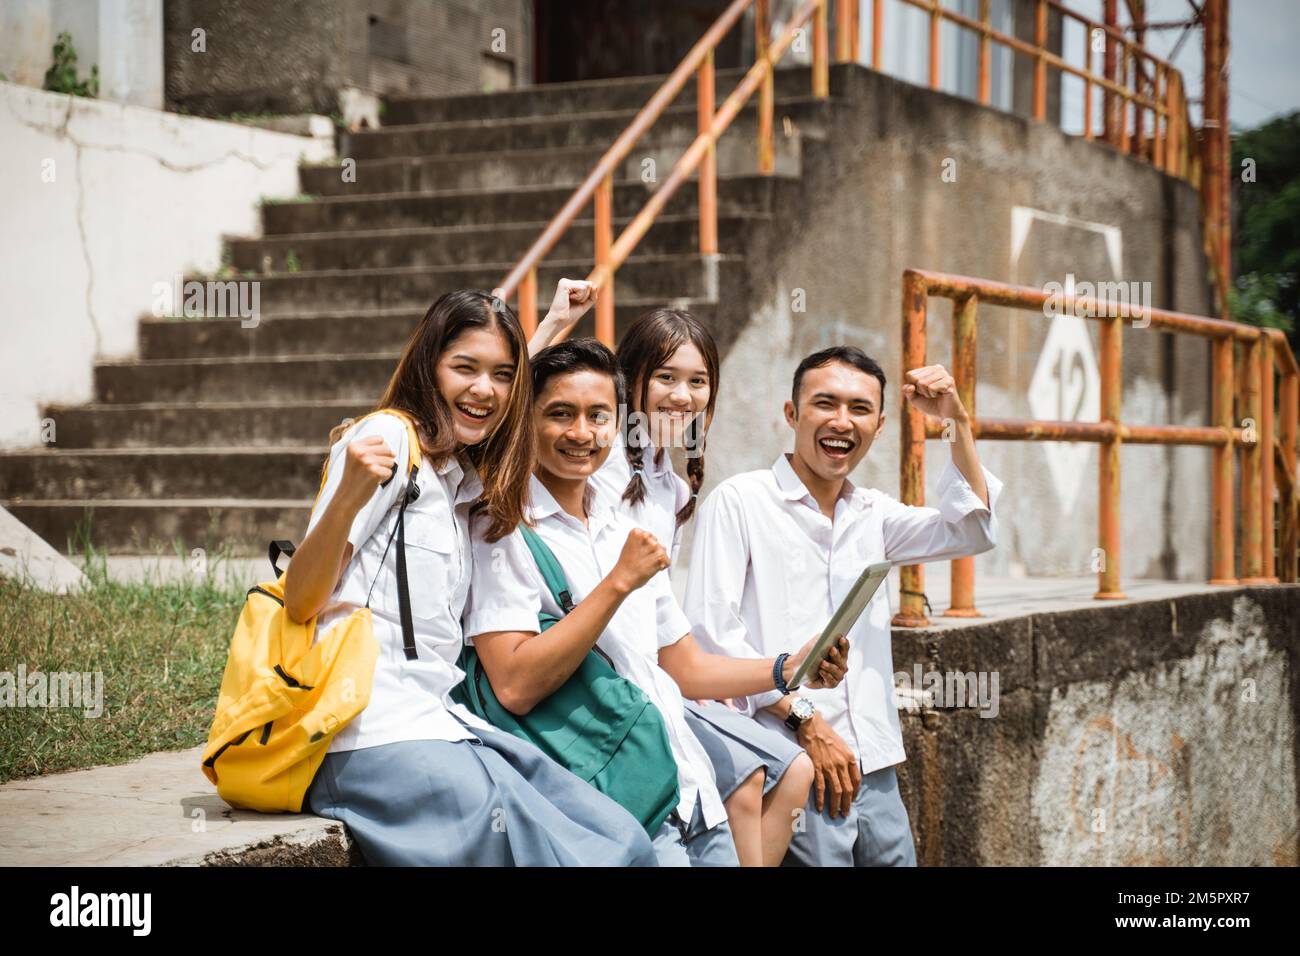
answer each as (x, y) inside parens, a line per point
(61, 77)
(1266, 234)
(291, 262)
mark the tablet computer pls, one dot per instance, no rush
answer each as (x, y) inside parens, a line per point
(842, 621)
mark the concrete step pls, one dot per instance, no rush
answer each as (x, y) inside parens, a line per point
(239, 527)
(216, 424)
(527, 204)
(149, 473)
(143, 813)
(642, 277)
(384, 248)
(675, 126)
(509, 168)
(324, 333)
(359, 378)
(629, 93)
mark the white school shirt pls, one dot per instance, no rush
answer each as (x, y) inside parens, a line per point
(666, 493)
(408, 700)
(509, 591)
(768, 570)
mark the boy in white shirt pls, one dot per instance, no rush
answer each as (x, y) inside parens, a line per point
(623, 601)
(776, 550)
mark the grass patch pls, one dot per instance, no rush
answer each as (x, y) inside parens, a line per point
(160, 647)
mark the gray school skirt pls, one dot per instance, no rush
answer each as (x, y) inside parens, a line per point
(738, 745)
(497, 801)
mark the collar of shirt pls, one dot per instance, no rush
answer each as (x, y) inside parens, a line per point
(793, 489)
(459, 474)
(652, 467)
(542, 504)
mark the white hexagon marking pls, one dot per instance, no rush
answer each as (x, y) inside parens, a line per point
(1066, 387)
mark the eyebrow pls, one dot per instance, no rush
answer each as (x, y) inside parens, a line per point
(565, 403)
(852, 401)
(461, 356)
(679, 368)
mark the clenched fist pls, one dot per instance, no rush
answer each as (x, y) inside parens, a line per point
(641, 559)
(934, 391)
(367, 464)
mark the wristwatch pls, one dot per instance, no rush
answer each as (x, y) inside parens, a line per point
(801, 711)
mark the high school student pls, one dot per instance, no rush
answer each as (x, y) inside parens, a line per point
(414, 776)
(776, 550)
(625, 603)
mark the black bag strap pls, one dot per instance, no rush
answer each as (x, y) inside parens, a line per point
(274, 552)
(411, 493)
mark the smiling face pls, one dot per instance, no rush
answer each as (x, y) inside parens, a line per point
(677, 392)
(575, 417)
(474, 374)
(837, 419)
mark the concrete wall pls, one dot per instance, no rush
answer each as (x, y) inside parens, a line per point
(296, 56)
(880, 204)
(98, 202)
(122, 37)
(1160, 733)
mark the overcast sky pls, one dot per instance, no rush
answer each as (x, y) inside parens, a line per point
(1263, 62)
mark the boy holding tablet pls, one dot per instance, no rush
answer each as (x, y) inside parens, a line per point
(775, 552)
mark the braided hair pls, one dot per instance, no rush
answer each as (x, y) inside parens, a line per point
(649, 343)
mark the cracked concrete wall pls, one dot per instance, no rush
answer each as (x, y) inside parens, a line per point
(1157, 733)
(98, 202)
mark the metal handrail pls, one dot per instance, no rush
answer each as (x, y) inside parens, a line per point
(1268, 450)
(1171, 152)
(599, 184)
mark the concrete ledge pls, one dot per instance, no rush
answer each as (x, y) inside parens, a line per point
(157, 811)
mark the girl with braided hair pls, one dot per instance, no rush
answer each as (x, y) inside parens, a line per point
(670, 363)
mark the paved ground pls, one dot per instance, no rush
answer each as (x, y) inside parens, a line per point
(158, 811)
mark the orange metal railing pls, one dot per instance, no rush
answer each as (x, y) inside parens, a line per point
(1130, 94)
(598, 187)
(1266, 442)
(1135, 83)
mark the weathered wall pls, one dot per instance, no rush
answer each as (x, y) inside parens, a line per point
(98, 202)
(1157, 733)
(296, 56)
(878, 203)
(122, 37)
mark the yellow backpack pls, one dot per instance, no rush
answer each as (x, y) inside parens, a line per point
(282, 698)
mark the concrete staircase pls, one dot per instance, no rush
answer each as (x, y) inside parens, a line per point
(214, 436)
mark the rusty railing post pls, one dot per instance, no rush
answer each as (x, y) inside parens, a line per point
(855, 29)
(1108, 490)
(1223, 567)
(1125, 68)
(1040, 64)
(766, 92)
(708, 175)
(821, 76)
(962, 603)
(877, 31)
(1108, 68)
(528, 302)
(1290, 406)
(1158, 129)
(604, 239)
(985, 87)
(1266, 476)
(1252, 536)
(935, 20)
(911, 490)
(843, 28)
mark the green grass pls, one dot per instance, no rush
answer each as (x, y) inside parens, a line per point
(161, 649)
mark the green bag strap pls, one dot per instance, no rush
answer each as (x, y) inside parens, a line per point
(552, 573)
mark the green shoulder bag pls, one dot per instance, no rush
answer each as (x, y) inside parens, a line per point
(597, 725)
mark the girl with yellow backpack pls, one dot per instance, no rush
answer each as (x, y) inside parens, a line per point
(416, 778)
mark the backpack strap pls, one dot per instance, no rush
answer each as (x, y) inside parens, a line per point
(411, 493)
(552, 573)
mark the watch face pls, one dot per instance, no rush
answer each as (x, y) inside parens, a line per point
(802, 708)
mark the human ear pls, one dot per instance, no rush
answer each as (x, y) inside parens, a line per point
(791, 415)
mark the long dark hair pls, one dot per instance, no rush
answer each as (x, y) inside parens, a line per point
(648, 343)
(504, 459)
